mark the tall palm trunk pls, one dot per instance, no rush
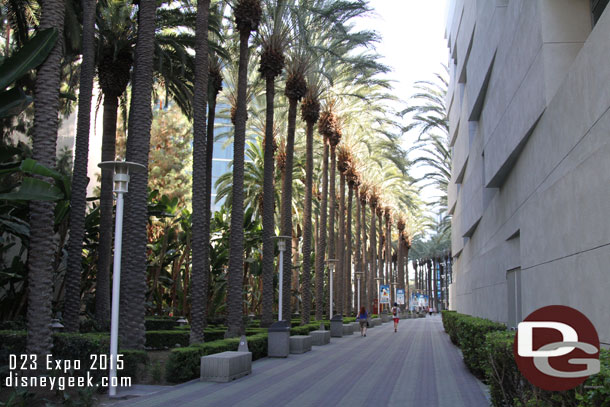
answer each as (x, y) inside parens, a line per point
(201, 215)
(331, 211)
(348, 245)
(321, 247)
(42, 248)
(102, 287)
(78, 200)
(133, 291)
(414, 264)
(286, 206)
(310, 115)
(405, 254)
(341, 267)
(236, 239)
(400, 272)
(268, 206)
(363, 255)
(374, 292)
(358, 253)
(382, 237)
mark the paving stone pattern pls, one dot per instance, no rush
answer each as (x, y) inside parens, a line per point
(417, 366)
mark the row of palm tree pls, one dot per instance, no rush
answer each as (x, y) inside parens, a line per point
(308, 47)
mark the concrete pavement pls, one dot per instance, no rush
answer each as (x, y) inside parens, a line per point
(417, 366)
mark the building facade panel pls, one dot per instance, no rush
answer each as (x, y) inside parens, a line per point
(538, 164)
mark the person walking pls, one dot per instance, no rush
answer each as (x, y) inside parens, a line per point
(363, 318)
(395, 315)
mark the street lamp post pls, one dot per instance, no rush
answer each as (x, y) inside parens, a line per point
(331, 269)
(281, 245)
(121, 181)
(394, 284)
(358, 276)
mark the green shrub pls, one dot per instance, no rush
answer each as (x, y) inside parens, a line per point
(135, 363)
(167, 339)
(509, 388)
(160, 324)
(471, 333)
(449, 318)
(183, 363)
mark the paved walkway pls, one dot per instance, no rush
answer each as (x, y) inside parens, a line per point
(418, 366)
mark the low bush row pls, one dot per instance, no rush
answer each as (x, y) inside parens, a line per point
(494, 357)
(184, 363)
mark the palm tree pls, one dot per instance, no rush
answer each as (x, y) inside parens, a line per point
(78, 201)
(133, 292)
(364, 253)
(296, 88)
(273, 44)
(40, 269)
(352, 179)
(115, 53)
(310, 110)
(373, 200)
(114, 61)
(330, 128)
(343, 165)
(321, 243)
(400, 225)
(388, 244)
(247, 18)
(200, 216)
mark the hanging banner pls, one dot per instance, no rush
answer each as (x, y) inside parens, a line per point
(384, 297)
(400, 296)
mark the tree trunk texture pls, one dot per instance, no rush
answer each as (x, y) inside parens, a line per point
(365, 266)
(268, 209)
(341, 266)
(78, 200)
(358, 253)
(42, 249)
(332, 198)
(201, 215)
(306, 273)
(235, 323)
(373, 292)
(348, 250)
(286, 207)
(321, 247)
(133, 290)
(399, 266)
(102, 287)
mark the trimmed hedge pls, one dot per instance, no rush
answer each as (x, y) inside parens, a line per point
(167, 339)
(184, 363)
(449, 318)
(508, 388)
(160, 324)
(469, 334)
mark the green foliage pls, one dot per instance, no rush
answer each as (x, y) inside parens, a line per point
(183, 363)
(449, 318)
(166, 339)
(471, 333)
(508, 388)
(160, 324)
(32, 54)
(135, 363)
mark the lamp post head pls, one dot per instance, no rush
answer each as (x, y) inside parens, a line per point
(281, 243)
(358, 274)
(331, 264)
(121, 173)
